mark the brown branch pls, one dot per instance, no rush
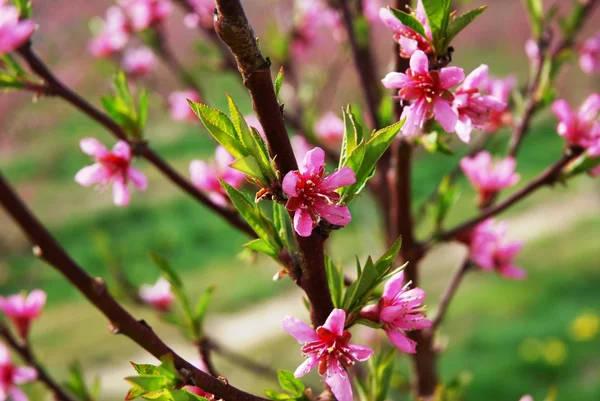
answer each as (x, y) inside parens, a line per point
(450, 291)
(61, 90)
(233, 28)
(94, 289)
(241, 361)
(205, 350)
(25, 352)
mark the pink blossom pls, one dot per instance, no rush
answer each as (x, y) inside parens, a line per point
(526, 398)
(589, 55)
(487, 177)
(206, 175)
(532, 50)
(474, 108)
(370, 9)
(581, 129)
(114, 36)
(179, 107)
(500, 89)
(252, 121)
(22, 311)
(300, 146)
(329, 348)
(13, 33)
(158, 295)
(202, 15)
(111, 166)
(409, 40)
(139, 62)
(330, 129)
(12, 376)
(312, 16)
(428, 93)
(491, 250)
(144, 13)
(312, 194)
(400, 310)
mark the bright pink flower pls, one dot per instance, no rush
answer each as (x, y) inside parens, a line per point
(114, 36)
(474, 108)
(409, 40)
(139, 62)
(400, 310)
(589, 55)
(487, 177)
(300, 146)
(330, 129)
(202, 15)
(312, 194)
(206, 176)
(370, 9)
(179, 107)
(428, 93)
(252, 121)
(329, 349)
(581, 129)
(158, 295)
(144, 13)
(12, 376)
(491, 250)
(111, 166)
(13, 33)
(22, 311)
(500, 89)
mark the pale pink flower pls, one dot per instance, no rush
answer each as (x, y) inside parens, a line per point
(114, 36)
(500, 89)
(13, 33)
(400, 310)
(312, 194)
(313, 16)
(532, 50)
(487, 177)
(526, 398)
(179, 107)
(581, 129)
(202, 15)
(589, 55)
(428, 92)
(206, 175)
(409, 40)
(474, 108)
(159, 295)
(329, 349)
(11, 377)
(300, 146)
(111, 166)
(145, 13)
(22, 311)
(330, 129)
(139, 62)
(490, 249)
(370, 9)
(252, 121)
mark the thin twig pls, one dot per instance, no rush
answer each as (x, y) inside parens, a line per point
(205, 350)
(25, 352)
(94, 289)
(450, 291)
(242, 361)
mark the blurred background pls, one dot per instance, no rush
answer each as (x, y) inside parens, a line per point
(502, 339)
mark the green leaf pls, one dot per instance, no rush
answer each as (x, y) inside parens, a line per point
(279, 81)
(202, 305)
(25, 9)
(434, 142)
(10, 82)
(143, 109)
(438, 15)
(410, 21)
(353, 134)
(13, 65)
(535, 11)
(461, 22)
(76, 383)
(145, 368)
(384, 371)
(260, 245)
(148, 383)
(184, 395)
(289, 383)
(369, 323)
(168, 271)
(249, 166)
(122, 89)
(277, 396)
(335, 279)
(387, 259)
(280, 222)
(220, 127)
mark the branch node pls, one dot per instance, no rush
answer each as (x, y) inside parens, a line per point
(99, 286)
(37, 251)
(113, 328)
(223, 380)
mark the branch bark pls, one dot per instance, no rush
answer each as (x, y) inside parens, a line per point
(449, 293)
(94, 289)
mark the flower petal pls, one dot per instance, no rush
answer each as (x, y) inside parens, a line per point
(341, 178)
(36, 301)
(393, 286)
(16, 394)
(409, 46)
(419, 63)
(451, 76)
(445, 114)
(514, 272)
(395, 80)
(336, 321)
(313, 161)
(290, 181)
(303, 223)
(122, 150)
(463, 128)
(339, 382)
(24, 374)
(120, 193)
(338, 215)
(92, 147)
(306, 366)
(360, 352)
(90, 175)
(562, 110)
(402, 342)
(476, 77)
(4, 355)
(302, 332)
(137, 178)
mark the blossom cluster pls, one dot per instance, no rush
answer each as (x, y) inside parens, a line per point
(14, 32)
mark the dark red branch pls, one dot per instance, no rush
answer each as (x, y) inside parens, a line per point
(94, 289)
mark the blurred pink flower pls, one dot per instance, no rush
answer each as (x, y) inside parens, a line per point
(12, 376)
(499, 88)
(311, 17)
(589, 55)
(206, 175)
(474, 108)
(252, 121)
(370, 9)
(489, 178)
(330, 129)
(409, 40)
(13, 33)
(144, 13)
(312, 194)
(581, 129)
(179, 107)
(490, 249)
(329, 349)
(532, 51)
(22, 311)
(526, 398)
(428, 92)
(159, 295)
(114, 36)
(400, 310)
(111, 166)
(202, 15)
(139, 62)
(300, 146)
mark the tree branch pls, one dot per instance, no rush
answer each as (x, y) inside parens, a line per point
(61, 90)
(241, 361)
(450, 291)
(94, 289)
